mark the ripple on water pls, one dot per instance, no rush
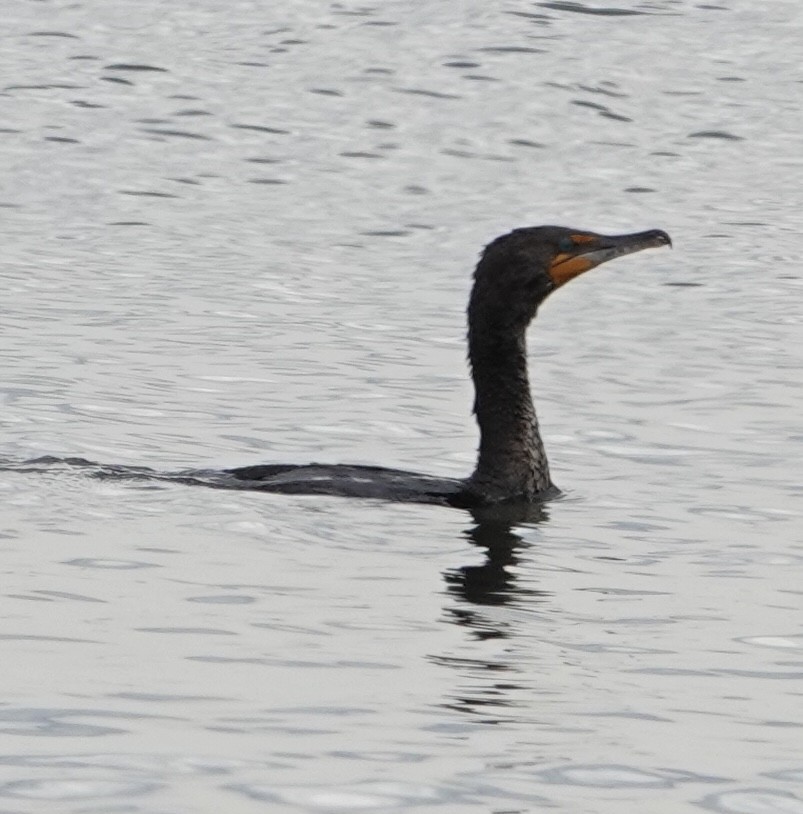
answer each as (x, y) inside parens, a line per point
(793, 642)
(753, 801)
(356, 797)
(66, 789)
(115, 565)
(605, 776)
(518, 784)
(789, 775)
(59, 723)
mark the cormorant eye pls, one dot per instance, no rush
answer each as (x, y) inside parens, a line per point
(566, 244)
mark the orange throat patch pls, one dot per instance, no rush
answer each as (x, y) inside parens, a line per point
(566, 267)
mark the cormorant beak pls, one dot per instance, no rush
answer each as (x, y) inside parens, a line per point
(589, 250)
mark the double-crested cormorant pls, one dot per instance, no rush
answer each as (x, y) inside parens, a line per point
(515, 274)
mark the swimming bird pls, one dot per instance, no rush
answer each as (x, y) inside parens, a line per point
(515, 274)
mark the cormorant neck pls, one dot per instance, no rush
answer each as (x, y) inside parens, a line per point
(512, 461)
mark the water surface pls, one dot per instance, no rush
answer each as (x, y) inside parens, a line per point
(236, 234)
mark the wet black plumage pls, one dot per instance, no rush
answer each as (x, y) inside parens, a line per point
(515, 274)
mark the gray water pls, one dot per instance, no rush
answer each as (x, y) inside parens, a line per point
(242, 233)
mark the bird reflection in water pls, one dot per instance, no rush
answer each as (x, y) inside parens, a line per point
(488, 687)
(493, 583)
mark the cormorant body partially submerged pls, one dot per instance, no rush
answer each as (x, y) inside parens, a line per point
(515, 274)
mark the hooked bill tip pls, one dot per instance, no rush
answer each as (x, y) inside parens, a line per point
(662, 238)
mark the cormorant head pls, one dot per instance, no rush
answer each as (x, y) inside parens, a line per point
(520, 269)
